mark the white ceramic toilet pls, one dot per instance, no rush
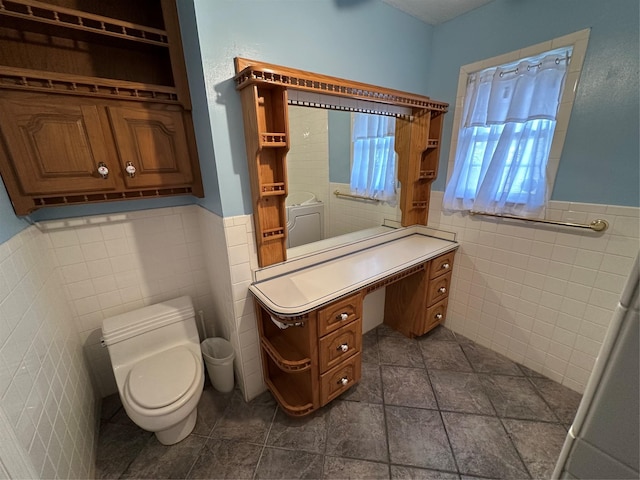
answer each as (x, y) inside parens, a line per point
(156, 358)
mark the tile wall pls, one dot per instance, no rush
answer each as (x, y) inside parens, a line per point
(307, 166)
(45, 386)
(111, 264)
(350, 215)
(541, 295)
(230, 272)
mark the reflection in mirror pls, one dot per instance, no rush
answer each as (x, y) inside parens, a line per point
(318, 164)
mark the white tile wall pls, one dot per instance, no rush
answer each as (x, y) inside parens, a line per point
(45, 385)
(307, 165)
(541, 295)
(231, 274)
(116, 263)
(350, 215)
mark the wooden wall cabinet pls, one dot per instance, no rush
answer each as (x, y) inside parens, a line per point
(87, 85)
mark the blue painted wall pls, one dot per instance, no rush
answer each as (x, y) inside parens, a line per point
(363, 40)
(600, 159)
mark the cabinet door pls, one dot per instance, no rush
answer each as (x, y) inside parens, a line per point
(55, 147)
(154, 143)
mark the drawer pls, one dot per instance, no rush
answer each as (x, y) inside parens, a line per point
(339, 379)
(441, 265)
(438, 289)
(339, 313)
(340, 345)
(435, 315)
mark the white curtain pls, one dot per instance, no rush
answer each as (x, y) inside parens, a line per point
(505, 138)
(373, 172)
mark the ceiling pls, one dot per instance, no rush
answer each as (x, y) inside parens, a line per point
(434, 12)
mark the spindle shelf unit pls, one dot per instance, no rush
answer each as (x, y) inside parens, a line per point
(263, 91)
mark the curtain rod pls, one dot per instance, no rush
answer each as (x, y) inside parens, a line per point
(566, 58)
(598, 225)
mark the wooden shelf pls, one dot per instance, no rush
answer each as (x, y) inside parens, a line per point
(290, 398)
(433, 143)
(43, 13)
(278, 188)
(273, 346)
(273, 140)
(53, 82)
(273, 233)
(427, 175)
(110, 196)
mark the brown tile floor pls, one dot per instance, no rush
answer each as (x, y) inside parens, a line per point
(439, 407)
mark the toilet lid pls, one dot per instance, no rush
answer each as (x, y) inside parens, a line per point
(163, 378)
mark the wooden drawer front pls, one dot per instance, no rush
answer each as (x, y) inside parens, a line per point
(436, 314)
(441, 265)
(339, 345)
(340, 313)
(438, 289)
(339, 379)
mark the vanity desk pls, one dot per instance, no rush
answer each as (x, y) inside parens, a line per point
(309, 310)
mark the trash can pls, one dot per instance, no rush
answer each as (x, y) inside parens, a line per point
(218, 357)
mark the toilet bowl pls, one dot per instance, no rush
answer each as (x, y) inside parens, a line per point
(156, 359)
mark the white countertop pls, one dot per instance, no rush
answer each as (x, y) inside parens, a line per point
(302, 290)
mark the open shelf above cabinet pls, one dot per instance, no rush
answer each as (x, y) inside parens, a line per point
(61, 17)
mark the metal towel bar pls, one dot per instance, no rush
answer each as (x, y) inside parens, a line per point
(358, 197)
(598, 225)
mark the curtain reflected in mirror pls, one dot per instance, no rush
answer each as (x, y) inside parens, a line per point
(318, 164)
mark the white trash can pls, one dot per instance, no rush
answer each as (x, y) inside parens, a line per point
(218, 357)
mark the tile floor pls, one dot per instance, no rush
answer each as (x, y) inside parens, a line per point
(439, 407)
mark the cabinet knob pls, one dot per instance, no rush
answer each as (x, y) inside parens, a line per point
(343, 381)
(438, 316)
(442, 290)
(344, 347)
(343, 316)
(130, 169)
(103, 171)
(445, 266)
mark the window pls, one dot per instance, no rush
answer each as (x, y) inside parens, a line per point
(373, 170)
(505, 136)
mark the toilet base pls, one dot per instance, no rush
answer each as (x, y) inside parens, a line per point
(179, 431)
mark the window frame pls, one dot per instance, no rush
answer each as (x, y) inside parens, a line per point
(578, 41)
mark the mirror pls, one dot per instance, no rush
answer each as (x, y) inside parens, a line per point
(318, 164)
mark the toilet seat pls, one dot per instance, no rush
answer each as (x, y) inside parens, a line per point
(162, 379)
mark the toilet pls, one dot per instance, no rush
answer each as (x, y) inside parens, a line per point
(156, 358)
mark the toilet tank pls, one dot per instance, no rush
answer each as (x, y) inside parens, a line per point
(143, 332)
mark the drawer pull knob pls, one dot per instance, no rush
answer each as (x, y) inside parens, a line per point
(442, 290)
(130, 169)
(103, 171)
(344, 347)
(343, 316)
(438, 316)
(343, 381)
(445, 266)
